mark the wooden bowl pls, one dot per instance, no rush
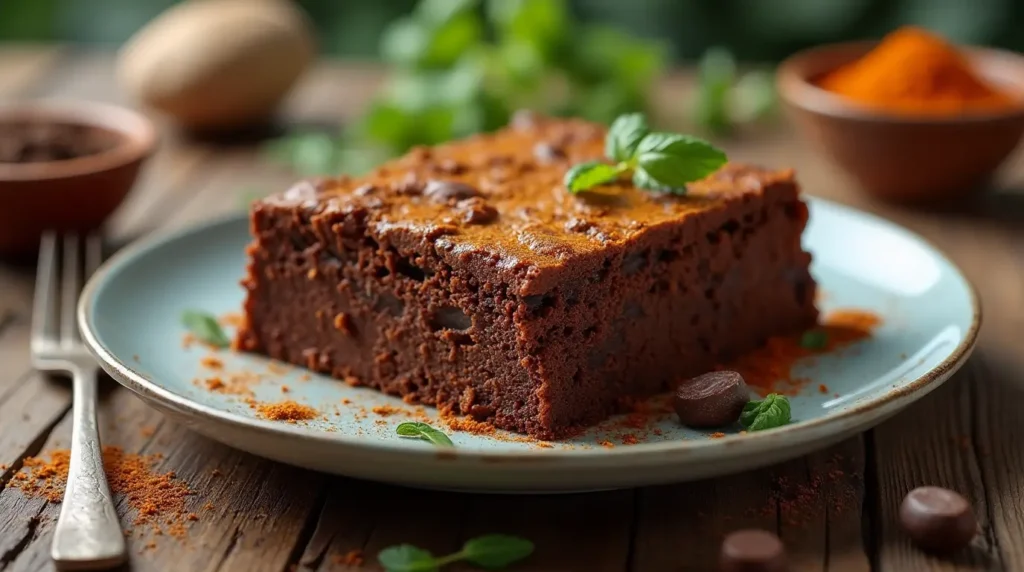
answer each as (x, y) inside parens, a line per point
(916, 159)
(76, 194)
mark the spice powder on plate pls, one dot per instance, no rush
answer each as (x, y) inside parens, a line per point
(290, 411)
(768, 369)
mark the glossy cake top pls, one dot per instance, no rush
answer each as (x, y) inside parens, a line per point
(503, 193)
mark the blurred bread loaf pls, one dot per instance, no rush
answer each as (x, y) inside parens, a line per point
(218, 64)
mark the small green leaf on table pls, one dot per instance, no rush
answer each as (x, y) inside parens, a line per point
(491, 551)
(407, 558)
(495, 551)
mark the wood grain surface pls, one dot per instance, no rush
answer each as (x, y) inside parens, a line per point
(835, 509)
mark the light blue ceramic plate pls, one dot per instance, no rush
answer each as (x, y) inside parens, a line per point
(131, 308)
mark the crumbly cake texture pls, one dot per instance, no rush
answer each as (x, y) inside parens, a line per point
(465, 276)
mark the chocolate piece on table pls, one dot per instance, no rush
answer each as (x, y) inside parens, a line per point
(752, 550)
(509, 298)
(938, 519)
(714, 399)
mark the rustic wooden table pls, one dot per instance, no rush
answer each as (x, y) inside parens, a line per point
(835, 510)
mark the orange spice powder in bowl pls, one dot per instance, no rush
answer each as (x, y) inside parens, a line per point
(912, 119)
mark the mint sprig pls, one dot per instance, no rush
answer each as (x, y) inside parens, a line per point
(205, 328)
(418, 430)
(624, 136)
(771, 412)
(659, 161)
(491, 551)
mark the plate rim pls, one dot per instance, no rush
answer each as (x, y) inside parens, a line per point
(794, 434)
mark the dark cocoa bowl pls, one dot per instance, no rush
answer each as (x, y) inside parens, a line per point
(897, 157)
(68, 194)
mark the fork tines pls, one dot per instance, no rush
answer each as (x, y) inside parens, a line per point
(59, 278)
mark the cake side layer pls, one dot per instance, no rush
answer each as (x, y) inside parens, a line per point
(361, 311)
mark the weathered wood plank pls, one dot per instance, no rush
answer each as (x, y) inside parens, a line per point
(998, 431)
(429, 519)
(344, 525)
(931, 445)
(814, 504)
(581, 532)
(847, 550)
(680, 527)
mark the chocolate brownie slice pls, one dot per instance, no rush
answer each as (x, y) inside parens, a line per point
(465, 276)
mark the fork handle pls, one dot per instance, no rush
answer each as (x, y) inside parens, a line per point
(88, 534)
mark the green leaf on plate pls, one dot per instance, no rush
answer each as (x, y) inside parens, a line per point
(768, 413)
(418, 430)
(205, 328)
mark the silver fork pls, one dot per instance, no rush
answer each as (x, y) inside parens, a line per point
(88, 535)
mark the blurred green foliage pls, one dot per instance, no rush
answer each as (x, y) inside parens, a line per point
(463, 66)
(752, 29)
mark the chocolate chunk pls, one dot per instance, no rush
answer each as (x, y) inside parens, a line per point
(752, 551)
(938, 519)
(547, 153)
(713, 399)
(365, 190)
(477, 211)
(450, 167)
(409, 185)
(578, 225)
(443, 191)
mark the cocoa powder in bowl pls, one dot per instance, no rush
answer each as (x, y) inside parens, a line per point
(65, 166)
(42, 141)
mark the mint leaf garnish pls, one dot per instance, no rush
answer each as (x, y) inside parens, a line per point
(418, 430)
(814, 339)
(495, 551)
(771, 412)
(591, 174)
(624, 135)
(205, 328)
(407, 558)
(491, 551)
(658, 161)
(674, 160)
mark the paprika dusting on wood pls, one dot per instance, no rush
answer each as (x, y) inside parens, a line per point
(915, 72)
(159, 499)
